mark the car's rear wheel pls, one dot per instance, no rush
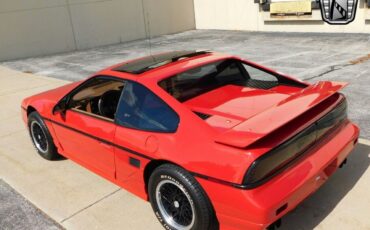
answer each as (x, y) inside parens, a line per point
(178, 200)
(41, 138)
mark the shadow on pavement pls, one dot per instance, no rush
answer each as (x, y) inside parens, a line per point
(317, 207)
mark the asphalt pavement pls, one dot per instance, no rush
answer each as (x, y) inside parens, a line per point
(16, 212)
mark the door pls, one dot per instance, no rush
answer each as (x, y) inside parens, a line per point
(86, 130)
(144, 120)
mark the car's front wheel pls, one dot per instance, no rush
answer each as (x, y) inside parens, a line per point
(178, 200)
(41, 138)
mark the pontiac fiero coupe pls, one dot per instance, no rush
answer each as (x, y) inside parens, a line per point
(211, 140)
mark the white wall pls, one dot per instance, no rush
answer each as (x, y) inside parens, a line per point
(34, 27)
(231, 14)
(169, 16)
(39, 27)
(247, 15)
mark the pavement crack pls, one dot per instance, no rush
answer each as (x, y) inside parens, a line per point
(90, 205)
(332, 69)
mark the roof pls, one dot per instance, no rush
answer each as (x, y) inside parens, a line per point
(145, 64)
(179, 63)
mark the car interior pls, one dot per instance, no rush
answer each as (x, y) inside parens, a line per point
(98, 97)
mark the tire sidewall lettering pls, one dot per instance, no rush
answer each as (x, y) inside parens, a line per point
(164, 176)
(203, 215)
(157, 212)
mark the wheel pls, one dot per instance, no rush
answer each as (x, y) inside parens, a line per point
(41, 138)
(178, 200)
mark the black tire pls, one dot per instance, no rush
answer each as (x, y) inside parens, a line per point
(39, 133)
(169, 183)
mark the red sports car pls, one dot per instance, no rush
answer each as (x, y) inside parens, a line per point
(211, 140)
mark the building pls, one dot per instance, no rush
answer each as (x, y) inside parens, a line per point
(40, 27)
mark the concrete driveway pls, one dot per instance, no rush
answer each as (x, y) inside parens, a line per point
(78, 199)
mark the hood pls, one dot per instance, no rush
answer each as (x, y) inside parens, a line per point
(49, 98)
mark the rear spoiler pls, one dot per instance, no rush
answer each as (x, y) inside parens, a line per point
(258, 126)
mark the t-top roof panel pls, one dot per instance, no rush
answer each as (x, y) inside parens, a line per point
(154, 61)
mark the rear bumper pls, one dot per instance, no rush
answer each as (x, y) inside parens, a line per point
(258, 208)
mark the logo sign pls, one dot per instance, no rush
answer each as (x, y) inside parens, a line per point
(338, 11)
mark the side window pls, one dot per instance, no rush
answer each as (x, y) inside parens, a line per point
(98, 96)
(258, 74)
(141, 109)
(259, 79)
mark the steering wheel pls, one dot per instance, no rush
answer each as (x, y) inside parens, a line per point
(108, 102)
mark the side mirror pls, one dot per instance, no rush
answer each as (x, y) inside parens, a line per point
(61, 107)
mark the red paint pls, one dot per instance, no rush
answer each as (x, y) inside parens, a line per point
(96, 154)
(278, 115)
(235, 101)
(241, 116)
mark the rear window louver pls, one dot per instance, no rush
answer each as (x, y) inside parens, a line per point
(202, 115)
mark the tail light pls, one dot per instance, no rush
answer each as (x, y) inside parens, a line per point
(273, 162)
